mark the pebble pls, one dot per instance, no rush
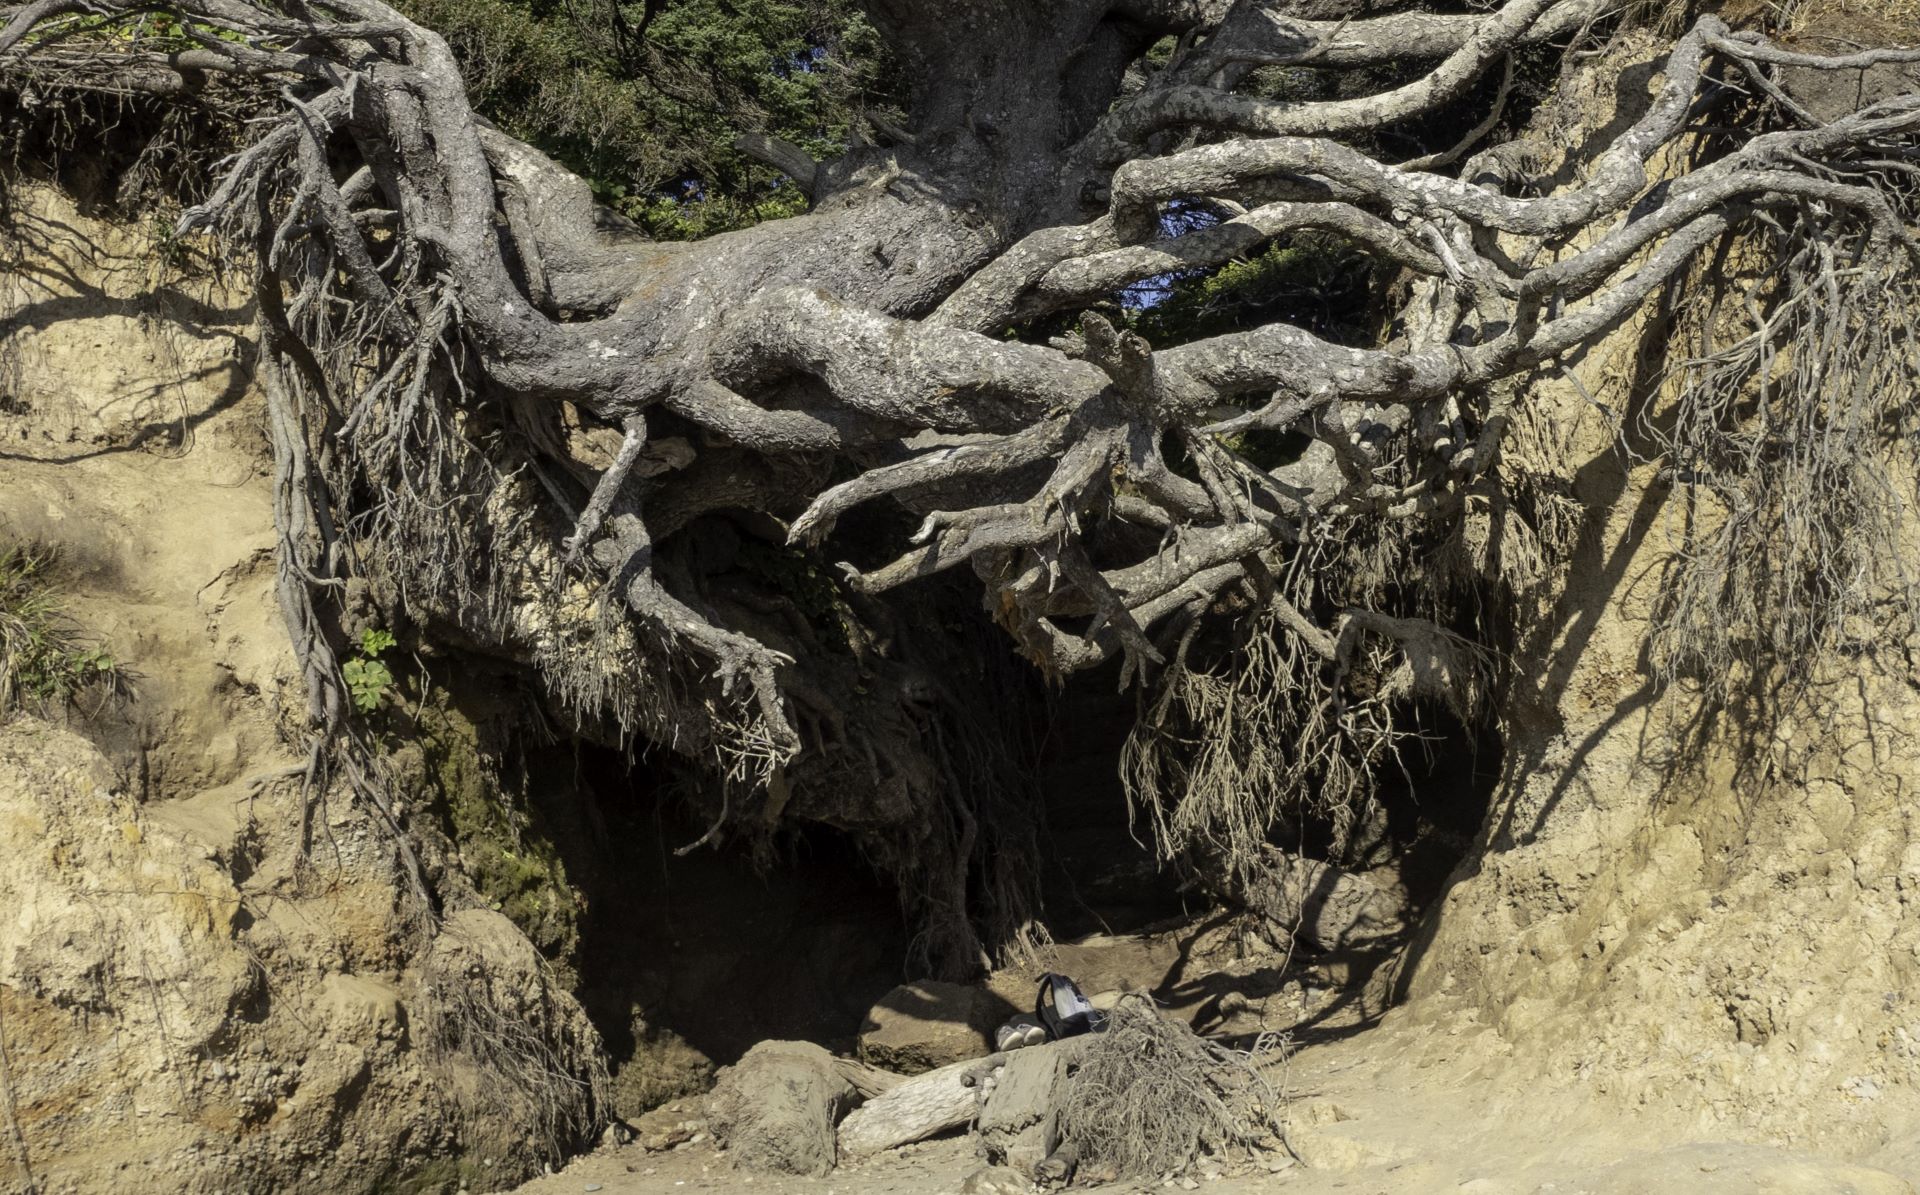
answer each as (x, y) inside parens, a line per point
(593, 1186)
(1187, 1184)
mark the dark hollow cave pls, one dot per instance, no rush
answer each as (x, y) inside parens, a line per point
(721, 949)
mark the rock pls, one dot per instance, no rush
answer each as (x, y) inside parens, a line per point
(1861, 1087)
(615, 1134)
(1322, 1149)
(995, 1180)
(484, 982)
(664, 1128)
(776, 1108)
(919, 1027)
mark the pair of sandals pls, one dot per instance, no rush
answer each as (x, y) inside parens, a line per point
(1020, 1032)
(1060, 1010)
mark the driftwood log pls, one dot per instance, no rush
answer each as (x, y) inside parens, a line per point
(926, 1105)
(913, 1110)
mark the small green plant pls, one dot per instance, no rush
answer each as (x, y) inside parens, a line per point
(45, 661)
(170, 249)
(367, 678)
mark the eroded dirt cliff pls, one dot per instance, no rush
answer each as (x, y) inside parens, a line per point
(193, 998)
(1682, 923)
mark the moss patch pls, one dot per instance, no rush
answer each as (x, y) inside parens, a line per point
(505, 849)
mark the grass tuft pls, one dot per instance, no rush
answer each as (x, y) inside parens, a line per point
(46, 663)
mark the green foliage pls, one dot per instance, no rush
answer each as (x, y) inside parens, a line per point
(368, 680)
(45, 662)
(1314, 281)
(155, 31)
(649, 120)
(171, 250)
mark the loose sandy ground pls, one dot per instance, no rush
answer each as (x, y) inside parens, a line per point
(1390, 1110)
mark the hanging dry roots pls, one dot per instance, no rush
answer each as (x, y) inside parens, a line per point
(429, 283)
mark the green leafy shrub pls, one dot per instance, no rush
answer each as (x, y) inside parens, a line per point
(368, 680)
(1314, 281)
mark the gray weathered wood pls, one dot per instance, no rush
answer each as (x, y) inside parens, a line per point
(1016, 1125)
(1019, 1098)
(915, 1109)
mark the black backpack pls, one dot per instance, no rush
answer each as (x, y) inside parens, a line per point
(1064, 1009)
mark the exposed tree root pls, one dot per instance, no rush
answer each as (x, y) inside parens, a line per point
(426, 322)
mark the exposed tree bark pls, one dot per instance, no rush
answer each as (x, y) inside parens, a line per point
(434, 270)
